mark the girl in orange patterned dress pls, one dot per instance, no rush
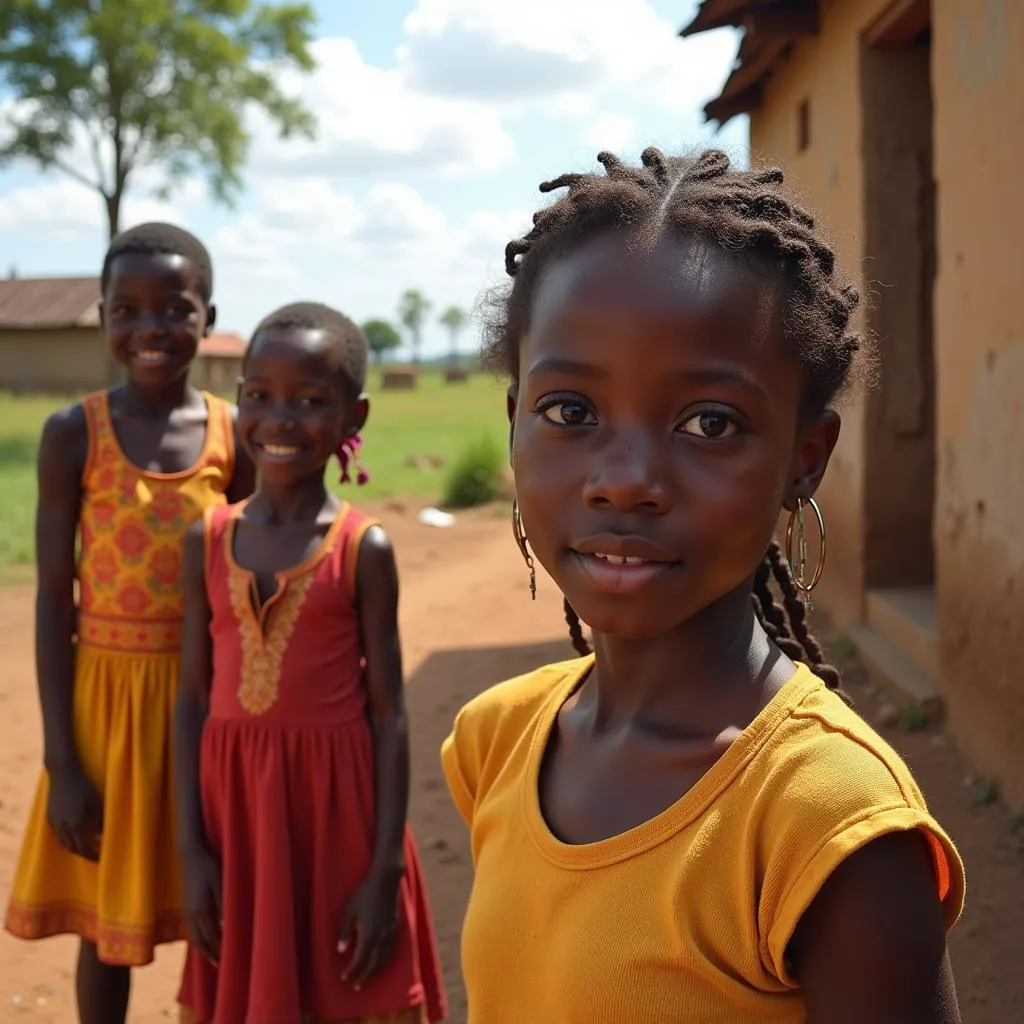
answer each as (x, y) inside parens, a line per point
(302, 881)
(125, 472)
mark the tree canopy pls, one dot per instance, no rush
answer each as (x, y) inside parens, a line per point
(454, 318)
(382, 337)
(147, 83)
(413, 308)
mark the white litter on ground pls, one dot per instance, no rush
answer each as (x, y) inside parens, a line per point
(436, 517)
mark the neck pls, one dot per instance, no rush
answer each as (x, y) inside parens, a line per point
(687, 678)
(172, 396)
(299, 501)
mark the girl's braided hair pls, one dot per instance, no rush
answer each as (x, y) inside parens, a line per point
(745, 213)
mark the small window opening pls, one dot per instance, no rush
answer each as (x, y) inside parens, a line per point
(803, 126)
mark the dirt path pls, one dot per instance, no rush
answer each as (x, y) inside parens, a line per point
(468, 622)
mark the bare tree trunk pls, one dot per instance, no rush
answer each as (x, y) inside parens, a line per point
(113, 215)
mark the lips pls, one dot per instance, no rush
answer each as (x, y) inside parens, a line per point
(151, 356)
(623, 564)
(274, 452)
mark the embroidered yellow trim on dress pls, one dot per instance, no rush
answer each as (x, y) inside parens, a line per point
(119, 942)
(263, 652)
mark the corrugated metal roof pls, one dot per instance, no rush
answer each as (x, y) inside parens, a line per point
(49, 302)
(225, 345)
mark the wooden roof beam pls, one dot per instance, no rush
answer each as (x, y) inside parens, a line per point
(712, 14)
(784, 20)
(772, 17)
(724, 108)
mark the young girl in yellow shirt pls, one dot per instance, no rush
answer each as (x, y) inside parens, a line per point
(689, 824)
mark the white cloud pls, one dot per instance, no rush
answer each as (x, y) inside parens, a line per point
(536, 48)
(362, 256)
(371, 122)
(610, 131)
(62, 209)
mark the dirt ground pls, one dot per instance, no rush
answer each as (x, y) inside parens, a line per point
(468, 622)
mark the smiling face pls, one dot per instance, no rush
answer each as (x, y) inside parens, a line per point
(294, 405)
(656, 433)
(154, 316)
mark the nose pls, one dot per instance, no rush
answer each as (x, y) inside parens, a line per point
(147, 325)
(629, 475)
(280, 416)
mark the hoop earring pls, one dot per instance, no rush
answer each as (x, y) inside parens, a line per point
(520, 535)
(798, 563)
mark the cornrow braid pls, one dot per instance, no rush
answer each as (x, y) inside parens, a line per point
(579, 641)
(796, 613)
(747, 214)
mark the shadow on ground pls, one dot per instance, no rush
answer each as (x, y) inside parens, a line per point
(441, 685)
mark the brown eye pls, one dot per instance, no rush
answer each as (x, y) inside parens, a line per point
(711, 425)
(569, 414)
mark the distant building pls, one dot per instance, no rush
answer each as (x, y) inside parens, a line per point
(51, 343)
(902, 123)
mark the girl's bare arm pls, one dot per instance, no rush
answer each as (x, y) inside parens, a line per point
(872, 945)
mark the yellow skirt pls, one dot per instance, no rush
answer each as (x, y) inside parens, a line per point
(130, 901)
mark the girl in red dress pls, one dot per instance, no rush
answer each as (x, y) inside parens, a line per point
(302, 884)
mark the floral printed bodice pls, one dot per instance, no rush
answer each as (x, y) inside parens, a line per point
(133, 524)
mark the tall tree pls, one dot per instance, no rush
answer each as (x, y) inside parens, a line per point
(413, 308)
(454, 319)
(382, 338)
(147, 83)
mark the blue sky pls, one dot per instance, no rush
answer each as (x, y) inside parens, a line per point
(437, 120)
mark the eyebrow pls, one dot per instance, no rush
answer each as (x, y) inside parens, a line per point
(570, 367)
(729, 377)
(703, 377)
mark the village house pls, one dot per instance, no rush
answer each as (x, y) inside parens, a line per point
(51, 343)
(902, 123)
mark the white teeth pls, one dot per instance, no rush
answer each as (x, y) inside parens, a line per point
(620, 559)
(280, 449)
(151, 355)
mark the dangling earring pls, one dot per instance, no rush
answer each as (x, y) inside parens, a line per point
(798, 562)
(348, 455)
(520, 535)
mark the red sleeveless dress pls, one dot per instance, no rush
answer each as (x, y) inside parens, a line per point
(288, 798)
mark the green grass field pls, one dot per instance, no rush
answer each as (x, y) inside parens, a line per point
(408, 434)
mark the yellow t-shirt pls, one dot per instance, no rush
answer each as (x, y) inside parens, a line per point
(687, 917)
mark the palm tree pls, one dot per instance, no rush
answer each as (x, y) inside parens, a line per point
(454, 318)
(412, 311)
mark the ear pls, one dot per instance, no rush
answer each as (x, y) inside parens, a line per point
(102, 310)
(814, 446)
(357, 417)
(211, 318)
(511, 403)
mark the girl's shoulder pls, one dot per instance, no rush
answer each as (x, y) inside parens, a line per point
(812, 735)
(496, 726)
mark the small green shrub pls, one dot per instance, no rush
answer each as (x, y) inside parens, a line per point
(914, 718)
(475, 475)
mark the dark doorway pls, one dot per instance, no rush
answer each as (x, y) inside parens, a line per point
(900, 266)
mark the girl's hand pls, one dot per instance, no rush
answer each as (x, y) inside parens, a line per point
(75, 812)
(372, 921)
(202, 899)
